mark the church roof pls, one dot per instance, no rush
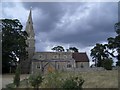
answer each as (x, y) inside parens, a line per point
(80, 57)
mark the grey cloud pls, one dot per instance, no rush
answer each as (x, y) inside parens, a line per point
(86, 39)
(97, 26)
(6, 5)
(102, 27)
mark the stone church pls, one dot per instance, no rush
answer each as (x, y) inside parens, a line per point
(49, 61)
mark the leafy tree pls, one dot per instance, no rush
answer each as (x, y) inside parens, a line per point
(58, 49)
(107, 64)
(74, 49)
(114, 43)
(13, 43)
(99, 53)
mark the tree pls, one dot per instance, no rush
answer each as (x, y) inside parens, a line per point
(74, 49)
(102, 52)
(58, 49)
(17, 77)
(99, 53)
(13, 43)
(114, 43)
(107, 64)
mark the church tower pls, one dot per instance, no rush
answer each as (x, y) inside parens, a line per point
(30, 42)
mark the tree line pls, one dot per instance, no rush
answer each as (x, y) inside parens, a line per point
(61, 49)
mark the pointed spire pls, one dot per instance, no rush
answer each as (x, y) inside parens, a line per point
(29, 25)
(30, 16)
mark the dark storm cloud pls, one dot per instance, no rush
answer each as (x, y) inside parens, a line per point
(75, 23)
(101, 21)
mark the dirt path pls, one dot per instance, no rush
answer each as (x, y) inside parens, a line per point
(6, 79)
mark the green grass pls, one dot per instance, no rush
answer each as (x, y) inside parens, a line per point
(98, 79)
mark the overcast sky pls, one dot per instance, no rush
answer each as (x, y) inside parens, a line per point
(81, 24)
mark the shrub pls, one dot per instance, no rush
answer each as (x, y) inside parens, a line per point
(52, 80)
(10, 86)
(35, 80)
(107, 64)
(73, 82)
(17, 77)
(62, 80)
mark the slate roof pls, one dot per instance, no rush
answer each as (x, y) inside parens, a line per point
(80, 57)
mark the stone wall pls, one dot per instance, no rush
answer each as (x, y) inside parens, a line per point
(86, 69)
(82, 64)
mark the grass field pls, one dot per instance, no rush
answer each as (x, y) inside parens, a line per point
(98, 79)
(101, 79)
